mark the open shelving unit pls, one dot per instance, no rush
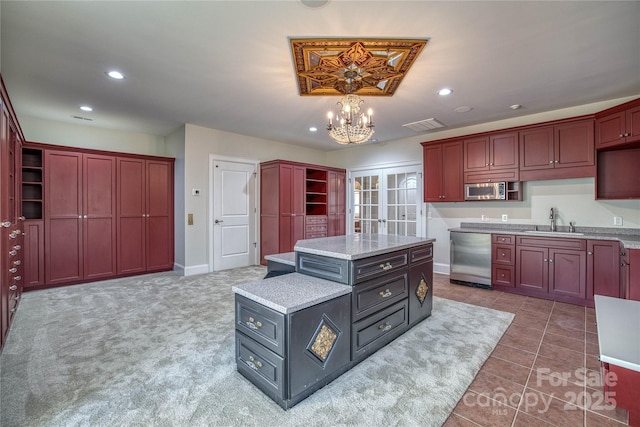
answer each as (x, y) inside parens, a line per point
(316, 192)
(32, 183)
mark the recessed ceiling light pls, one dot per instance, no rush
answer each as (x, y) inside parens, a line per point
(117, 75)
(516, 106)
(313, 129)
(445, 91)
(86, 108)
(463, 109)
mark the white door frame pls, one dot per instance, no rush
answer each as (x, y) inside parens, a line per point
(381, 167)
(254, 203)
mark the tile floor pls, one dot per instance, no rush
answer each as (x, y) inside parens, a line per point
(543, 372)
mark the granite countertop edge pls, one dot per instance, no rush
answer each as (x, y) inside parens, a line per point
(291, 292)
(288, 258)
(352, 256)
(629, 237)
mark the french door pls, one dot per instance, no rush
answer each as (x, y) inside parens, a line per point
(387, 201)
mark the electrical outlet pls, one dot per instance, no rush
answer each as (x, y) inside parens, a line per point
(617, 220)
(485, 218)
(189, 219)
(505, 217)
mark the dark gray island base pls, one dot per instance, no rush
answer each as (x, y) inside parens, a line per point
(348, 297)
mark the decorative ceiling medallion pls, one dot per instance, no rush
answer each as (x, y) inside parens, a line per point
(362, 67)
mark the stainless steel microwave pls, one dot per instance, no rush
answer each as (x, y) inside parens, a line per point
(486, 191)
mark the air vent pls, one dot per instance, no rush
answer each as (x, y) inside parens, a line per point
(424, 125)
(82, 118)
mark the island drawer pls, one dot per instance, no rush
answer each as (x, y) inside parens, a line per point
(422, 253)
(334, 269)
(376, 331)
(376, 294)
(262, 367)
(375, 266)
(261, 323)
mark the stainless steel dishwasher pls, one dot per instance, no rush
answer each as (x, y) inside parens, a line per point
(470, 259)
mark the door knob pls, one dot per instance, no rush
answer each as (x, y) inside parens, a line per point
(218, 221)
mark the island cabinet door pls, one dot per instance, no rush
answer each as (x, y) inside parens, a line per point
(420, 291)
(319, 340)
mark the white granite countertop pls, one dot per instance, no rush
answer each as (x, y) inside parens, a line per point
(618, 323)
(359, 245)
(288, 258)
(291, 292)
(629, 237)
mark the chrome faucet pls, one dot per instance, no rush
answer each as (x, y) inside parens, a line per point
(553, 220)
(572, 228)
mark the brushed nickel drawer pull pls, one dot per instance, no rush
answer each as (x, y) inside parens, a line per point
(12, 252)
(385, 294)
(17, 247)
(13, 288)
(17, 278)
(17, 262)
(252, 324)
(386, 266)
(13, 270)
(385, 327)
(252, 364)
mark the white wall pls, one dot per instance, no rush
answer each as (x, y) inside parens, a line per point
(50, 132)
(175, 147)
(202, 142)
(574, 199)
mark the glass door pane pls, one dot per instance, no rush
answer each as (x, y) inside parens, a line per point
(401, 191)
(365, 203)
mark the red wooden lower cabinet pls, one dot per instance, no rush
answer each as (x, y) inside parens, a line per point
(634, 275)
(622, 385)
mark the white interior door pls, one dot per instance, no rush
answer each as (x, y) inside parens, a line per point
(233, 225)
(387, 201)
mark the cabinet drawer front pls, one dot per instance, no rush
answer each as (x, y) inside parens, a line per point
(375, 331)
(262, 367)
(262, 324)
(503, 276)
(553, 242)
(374, 266)
(422, 253)
(504, 239)
(504, 255)
(333, 269)
(315, 219)
(376, 294)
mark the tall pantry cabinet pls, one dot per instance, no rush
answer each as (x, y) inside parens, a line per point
(11, 220)
(299, 201)
(99, 215)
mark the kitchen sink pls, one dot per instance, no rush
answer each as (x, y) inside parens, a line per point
(553, 233)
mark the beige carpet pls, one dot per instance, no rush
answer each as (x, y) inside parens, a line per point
(158, 350)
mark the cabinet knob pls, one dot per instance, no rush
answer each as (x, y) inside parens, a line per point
(589, 253)
(22, 218)
(385, 294)
(17, 247)
(17, 278)
(6, 224)
(17, 262)
(490, 164)
(546, 260)
(385, 327)
(503, 254)
(555, 161)
(13, 270)
(550, 260)
(550, 161)
(13, 288)
(621, 135)
(502, 275)
(12, 253)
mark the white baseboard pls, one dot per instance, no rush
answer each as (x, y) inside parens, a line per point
(191, 270)
(441, 268)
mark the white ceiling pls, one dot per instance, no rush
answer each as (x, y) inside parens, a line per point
(227, 65)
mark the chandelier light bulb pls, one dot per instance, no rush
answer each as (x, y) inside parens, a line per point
(352, 125)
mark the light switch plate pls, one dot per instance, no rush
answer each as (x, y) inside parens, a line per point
(189, 219)
(505, 217)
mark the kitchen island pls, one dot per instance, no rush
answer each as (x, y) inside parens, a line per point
(348, 297)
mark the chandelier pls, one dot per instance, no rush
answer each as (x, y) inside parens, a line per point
(351, 126)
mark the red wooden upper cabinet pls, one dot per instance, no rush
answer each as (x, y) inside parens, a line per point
(618, 129)
(491, 152)
(442, 163)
